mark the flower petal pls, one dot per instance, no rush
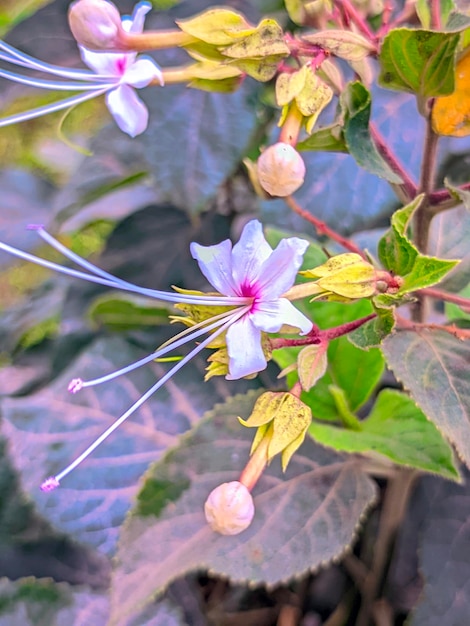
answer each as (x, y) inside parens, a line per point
(106, 63)
(278, 272)
(245, 353)
(128, 110)
(215, 262)
(135, 23)
(270, 316)
(248, 255)
(142, 72)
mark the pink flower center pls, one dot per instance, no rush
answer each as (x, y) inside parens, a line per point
(121, 65)
(248, 290)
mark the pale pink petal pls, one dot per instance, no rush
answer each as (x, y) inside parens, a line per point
(104, 63)
(277, 274)
(244, 350)
(135, 23)
(142, 72)
(249, 254)
(128, 110)
(270, 316)
(215, 262)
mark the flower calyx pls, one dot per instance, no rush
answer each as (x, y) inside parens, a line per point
(348, 277)
(282, 421)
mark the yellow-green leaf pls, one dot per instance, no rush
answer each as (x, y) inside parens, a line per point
(312, 363)
(342, 43)
(266, 40)
(220, 27)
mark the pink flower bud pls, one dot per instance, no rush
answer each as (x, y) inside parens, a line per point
(281, 170)
(229, 509)
(95, 24)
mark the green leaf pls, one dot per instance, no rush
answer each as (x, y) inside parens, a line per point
(426, 271)
(372, 333)
(419, 61)
(444, 554)
(433, 366)
(93, 500)
(400, 256)
(327, 139)
(217, 26)
(126, 313)
(42, 602)
(13, 12)
(304, 518)
(344, 44)
(33, 602)
(356, 107)
(397, 429)
(267, 40)
(449, 237)
(462, 195)
(396, 252)
(350, 368)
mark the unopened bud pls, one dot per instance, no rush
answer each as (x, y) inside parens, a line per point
(229, 509)
(281, 170)
(95, 24)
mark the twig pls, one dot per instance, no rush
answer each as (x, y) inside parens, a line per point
(409, 187)
(459, 333)
(322, 228)
(436, 21)
(462, 302)
(393, 511)
(317, 336)
(353, 14)
(443, 200)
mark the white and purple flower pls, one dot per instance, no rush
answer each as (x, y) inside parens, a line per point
(251, 277)
(114, 74)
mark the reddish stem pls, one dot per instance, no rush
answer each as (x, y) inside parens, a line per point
(353, 14)
(322, 228)
(459, 333)
(317, 336)
(443, 199)
(447, 297)
(436, 21)
(408, 186)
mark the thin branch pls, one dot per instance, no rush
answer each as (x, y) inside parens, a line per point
(322, 228)
(394, 508)
(436, 21)
(353, 14)
(409, 187)
(459, 333)
(464, 303)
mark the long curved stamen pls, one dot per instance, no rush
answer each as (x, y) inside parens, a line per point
(50, 108)
(56, 85)
(15, 56)
(189, 334)
(108, 280)
(52, 482)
